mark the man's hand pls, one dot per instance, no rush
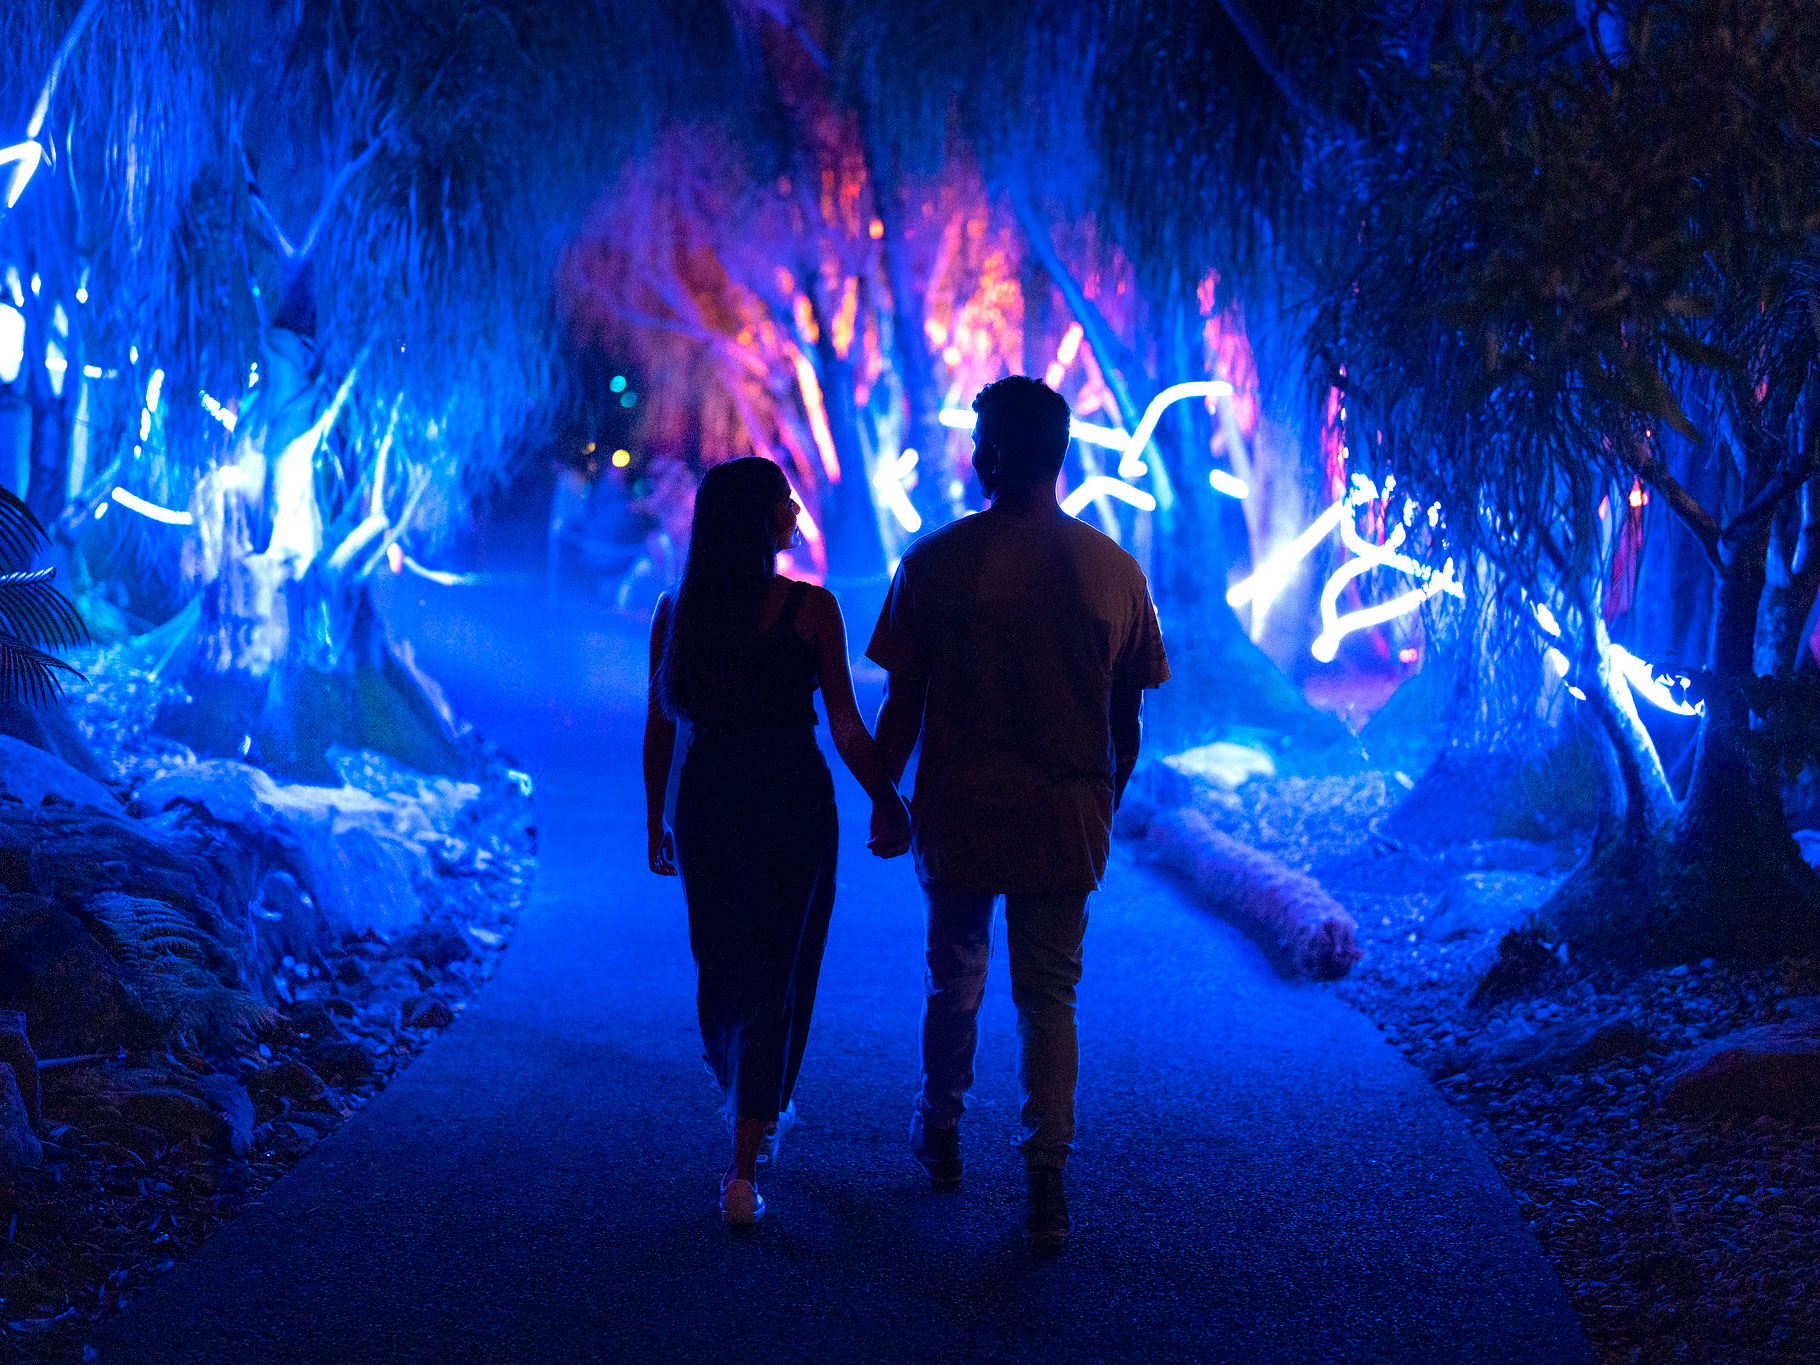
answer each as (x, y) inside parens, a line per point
(890, 828)
(662, 851)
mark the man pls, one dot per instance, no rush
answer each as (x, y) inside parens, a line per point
(1018, 644)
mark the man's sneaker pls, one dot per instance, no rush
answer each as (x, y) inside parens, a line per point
(774, 1135)
(939, 1151)
(741, 1205)
(1046, 1222)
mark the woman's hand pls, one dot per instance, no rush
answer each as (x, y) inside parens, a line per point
(890, 827)
(662, 851)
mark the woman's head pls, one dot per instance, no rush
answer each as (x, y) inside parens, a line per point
(745, 514)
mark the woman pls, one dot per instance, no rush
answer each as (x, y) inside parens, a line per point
(739, 655)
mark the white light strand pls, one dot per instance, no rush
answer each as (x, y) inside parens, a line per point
(25, 158)
(889, 481)
(1103, 485)
(134, 503)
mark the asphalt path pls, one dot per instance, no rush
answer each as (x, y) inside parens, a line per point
(1259, 1177)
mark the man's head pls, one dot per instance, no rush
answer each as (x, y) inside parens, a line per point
(1021, 437)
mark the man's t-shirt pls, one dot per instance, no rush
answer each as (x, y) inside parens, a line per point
(1022, 629)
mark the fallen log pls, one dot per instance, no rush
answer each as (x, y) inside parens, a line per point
(1305, 931)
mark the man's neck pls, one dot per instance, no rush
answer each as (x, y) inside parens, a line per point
(1029, 504)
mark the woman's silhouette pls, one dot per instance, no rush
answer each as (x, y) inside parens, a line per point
(737, 656)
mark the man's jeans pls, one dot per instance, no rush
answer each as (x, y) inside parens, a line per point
(1045, 935)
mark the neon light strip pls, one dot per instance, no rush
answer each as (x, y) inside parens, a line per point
(229, 420)
(1230, 485)
(889, 481)
(1102, 485)
(134, 503)
(1328, 644)
(818, 415)
(1269, 579)
(25, 158)
(960, 419)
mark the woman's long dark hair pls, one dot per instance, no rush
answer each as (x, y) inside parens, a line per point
(705, 672)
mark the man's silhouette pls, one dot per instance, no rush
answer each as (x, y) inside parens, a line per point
(1018, 643)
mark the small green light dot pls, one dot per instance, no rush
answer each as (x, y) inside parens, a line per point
(627, 400)
(619, 383)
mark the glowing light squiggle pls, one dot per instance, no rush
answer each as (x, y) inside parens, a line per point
(220, 413)
(1102, 485)
(25, 158)
(1131, 446)
(889, 481)
(134, 503)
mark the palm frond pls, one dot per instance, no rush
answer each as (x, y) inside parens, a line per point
(34, 611)
(21, 533)
(30, 675)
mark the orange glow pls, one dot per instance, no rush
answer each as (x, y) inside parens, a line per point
(1637, 496)
(806, 325)
(818, 416)
(1071, 344)
(875, 229)
(843, 319)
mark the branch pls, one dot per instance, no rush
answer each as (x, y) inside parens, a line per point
(1789, 477)
(262, 212)
(1648, 467)
(65, 51)
(338, 183)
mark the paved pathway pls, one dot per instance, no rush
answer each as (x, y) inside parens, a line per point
(1259, 1178)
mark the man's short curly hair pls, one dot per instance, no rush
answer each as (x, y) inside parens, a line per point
(1028, 422)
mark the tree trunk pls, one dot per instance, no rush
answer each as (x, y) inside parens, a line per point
(923, 430)
(1737, 884)
(856, 551)
(1794, 579)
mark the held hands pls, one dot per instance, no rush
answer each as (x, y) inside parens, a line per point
(662, 850)
(890, 827)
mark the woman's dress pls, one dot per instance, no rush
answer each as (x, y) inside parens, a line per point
(755, 836)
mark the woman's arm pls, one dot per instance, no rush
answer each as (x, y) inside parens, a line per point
(852, 741)
(660, 746)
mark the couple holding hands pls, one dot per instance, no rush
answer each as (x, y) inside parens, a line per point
(1018, 644)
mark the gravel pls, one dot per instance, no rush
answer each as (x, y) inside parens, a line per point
(1677, 1239)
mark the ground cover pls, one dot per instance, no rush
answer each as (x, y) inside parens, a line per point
(214, 972)
(1679, 1201)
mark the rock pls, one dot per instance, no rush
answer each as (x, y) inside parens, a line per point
(315, 1020)
(1486, 902)
(16, 1053)
(342, 1063)
(229, 1099)
(174, 1113)
(1223, 764)
(1567, 1050)
(19, 1145)
(434, 945)
(1772, 1069)
(426, 1011)
(54, 972)
(293, 1081)
(1526, 957)
(31, 776)
(351, 849)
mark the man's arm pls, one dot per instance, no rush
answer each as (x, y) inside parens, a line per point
(900, 721)
(1125, 715)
